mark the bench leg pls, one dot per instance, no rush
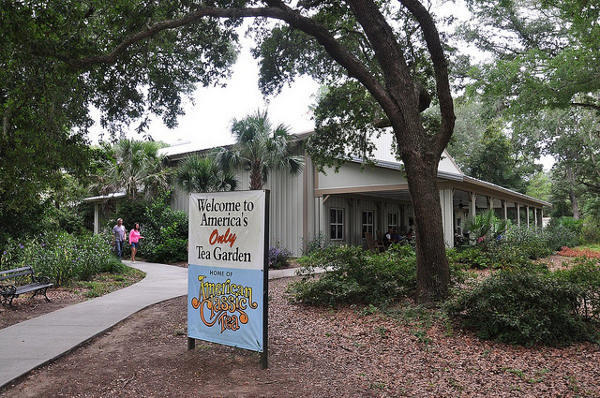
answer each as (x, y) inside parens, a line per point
(7, 299)
(41, 291)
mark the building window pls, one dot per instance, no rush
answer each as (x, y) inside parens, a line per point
(393, 221)
(367, 222)
(336, 224)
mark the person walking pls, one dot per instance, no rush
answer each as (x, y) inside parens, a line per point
(119, 237)
(134, 240)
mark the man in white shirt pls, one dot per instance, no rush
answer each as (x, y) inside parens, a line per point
(119, 237)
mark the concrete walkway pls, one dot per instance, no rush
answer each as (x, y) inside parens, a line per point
(35, 342)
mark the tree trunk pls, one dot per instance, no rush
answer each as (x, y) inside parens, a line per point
(255, 176)
(574, 205)
(574, 202)
(433, 270)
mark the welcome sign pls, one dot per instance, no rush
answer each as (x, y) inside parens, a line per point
(227, 273)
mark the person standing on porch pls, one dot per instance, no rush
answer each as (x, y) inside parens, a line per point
(119, 237)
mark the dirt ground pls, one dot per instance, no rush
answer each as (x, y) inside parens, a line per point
(313, 352)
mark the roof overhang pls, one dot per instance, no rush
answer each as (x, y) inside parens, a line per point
(103, 198)
(498, 192)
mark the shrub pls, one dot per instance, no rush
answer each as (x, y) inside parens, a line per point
(489, 256)
(590, 232)
(279, 257)
(62, 257)
(530, 242)
(165, 232)
(515, 248)
(486, 228)
(523, 307)
(317, 242)
(563, 231)
(356, 276)
(585, 273)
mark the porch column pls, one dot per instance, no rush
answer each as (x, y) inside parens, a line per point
(97, 218)
(505, 209)
(350, 238)
(527, 212)
(447, 202)
(518, 207)
(535, 217)
(320, 217)
(472, 205)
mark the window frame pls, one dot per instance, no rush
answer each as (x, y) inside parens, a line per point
(365, 225)
(336, 224)
(395, 224)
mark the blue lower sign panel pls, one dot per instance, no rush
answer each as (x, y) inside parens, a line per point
(225, 306)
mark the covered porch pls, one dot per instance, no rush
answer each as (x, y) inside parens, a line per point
(353, 202)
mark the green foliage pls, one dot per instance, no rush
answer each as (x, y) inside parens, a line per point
(133, 167)
(524, 307)
(531, 242)
(549, 60)
(489, 256)
(585, 273)
(516, 248)
(497, 161)
(356, 276)
(540, 186)
(260, 148)
(132, 212)
(53, 209)
(62, 257)
(590, 232)
(202, 174)
(55, 69)
(166, 233)
(563, 231)
(486, 228)
(316, 242)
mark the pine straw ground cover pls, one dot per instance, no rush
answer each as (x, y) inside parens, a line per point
(579, 252)
(404, 351)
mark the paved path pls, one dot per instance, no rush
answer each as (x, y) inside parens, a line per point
(32, 343)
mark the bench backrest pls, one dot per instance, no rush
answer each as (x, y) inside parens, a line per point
(15, 273)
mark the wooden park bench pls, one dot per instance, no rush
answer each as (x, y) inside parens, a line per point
(13, 282)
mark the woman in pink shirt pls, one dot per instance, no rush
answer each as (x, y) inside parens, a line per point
(134, 240)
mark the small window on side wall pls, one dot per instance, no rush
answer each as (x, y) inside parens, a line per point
(336, 224)
(393, 221)
(367, 222)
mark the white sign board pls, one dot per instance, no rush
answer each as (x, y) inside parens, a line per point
(227, 273)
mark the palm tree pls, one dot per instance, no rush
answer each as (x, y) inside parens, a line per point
(133, 167)
(260, 149)
(202, 174)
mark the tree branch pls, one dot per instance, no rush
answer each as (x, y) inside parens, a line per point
(342, 56)
(440, 66)
(586, 105)
(158, 27)
(275, 10)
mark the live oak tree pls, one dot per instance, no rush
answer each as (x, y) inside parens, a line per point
(384, 63)
(544, 52)
(543, 74)
(486, 146)
(51, 75)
